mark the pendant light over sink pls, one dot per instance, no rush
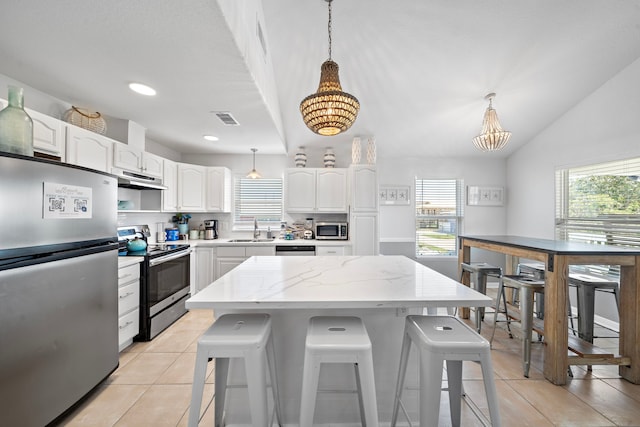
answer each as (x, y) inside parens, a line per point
(329, 111)
(254, 173)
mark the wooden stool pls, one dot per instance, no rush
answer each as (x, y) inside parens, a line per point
(338, 339)
(439, 339)
(246, 336)
(480, 271)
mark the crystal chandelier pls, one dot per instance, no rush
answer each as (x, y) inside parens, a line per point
(329, 111)
(493, 137)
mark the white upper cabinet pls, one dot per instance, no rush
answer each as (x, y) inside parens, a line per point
(48, 134)
(331, 190)
(89, 149)
(316, 190)
(137, 160)
(170, 180)
(152, 165)
(218, 190)
(363, 188)
(300, 190)
(191, 187)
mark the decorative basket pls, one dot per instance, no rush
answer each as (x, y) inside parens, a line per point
(85, 119)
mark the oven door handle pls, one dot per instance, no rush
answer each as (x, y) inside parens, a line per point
(160, 260)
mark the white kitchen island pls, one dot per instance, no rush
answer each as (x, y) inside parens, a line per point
(381, 290)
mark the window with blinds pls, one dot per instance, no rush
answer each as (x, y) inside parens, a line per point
(439, 211)
(600, 204)
(259, 199)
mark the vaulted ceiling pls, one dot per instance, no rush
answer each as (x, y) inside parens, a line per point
(420, 68)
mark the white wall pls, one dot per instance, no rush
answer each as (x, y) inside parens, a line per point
(34, 99)
(397, 223)
(604, 126)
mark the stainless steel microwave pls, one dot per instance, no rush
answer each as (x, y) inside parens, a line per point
(332, 231)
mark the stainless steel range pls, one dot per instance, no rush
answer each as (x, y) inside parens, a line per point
(164, 280)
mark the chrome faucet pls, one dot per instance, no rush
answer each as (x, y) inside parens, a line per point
(256, 232)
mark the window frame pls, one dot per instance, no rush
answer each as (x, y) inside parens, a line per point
(238, 212)
(456, 217)
(622, 229)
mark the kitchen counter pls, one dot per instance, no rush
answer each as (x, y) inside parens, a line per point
(381, 290)
(334, 282)
(274, 242)
(126, 261)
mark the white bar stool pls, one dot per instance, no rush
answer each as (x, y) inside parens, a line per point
(338, 339)
(246, 336)
(438, 339)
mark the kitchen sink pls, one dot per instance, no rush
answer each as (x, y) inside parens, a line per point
(250, 240)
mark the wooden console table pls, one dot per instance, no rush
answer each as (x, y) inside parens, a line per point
(557, 255)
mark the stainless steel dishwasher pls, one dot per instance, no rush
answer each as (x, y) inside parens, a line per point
(295, 250)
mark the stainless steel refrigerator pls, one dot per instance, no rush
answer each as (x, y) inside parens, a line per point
(58, 286)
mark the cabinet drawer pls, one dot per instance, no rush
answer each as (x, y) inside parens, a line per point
(128, 274)
(128, 326)
(330, 250)
(128, 297)
(231, 251)
(260, 250)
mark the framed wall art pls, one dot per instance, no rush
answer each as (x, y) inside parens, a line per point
(398, 195)
(485, 196)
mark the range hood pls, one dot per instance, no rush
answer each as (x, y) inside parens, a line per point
(138, 181)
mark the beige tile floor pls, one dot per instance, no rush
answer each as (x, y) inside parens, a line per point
(152, 387)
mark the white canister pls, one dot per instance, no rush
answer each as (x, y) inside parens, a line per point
(371, 151)
(194, 234)
(356, 151)
(300, 158)
(329, 158)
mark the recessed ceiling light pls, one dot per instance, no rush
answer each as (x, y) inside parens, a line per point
(210, 138)
(142, 89)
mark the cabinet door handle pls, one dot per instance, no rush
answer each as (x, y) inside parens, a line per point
(126, 324)
(126, 275)
(125, 295)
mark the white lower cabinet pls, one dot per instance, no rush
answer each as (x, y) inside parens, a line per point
(333, 250)
(204, 268)
(229, 257)
(363, 232)
(128, 304)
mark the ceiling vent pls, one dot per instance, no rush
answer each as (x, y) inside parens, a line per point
(226, 118)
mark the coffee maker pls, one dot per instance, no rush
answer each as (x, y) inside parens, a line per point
(210, 229)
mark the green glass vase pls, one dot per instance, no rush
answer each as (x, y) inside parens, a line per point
(16, 127)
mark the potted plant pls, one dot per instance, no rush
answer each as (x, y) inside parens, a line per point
(183, 222)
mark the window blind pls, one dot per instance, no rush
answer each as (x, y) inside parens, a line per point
(259, 199)
(600, 204)
(439, 211)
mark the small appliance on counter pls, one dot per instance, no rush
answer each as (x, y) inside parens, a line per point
(211, 229)
(172, 234)
(332, 231)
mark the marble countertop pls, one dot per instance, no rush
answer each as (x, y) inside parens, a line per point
(334, 282)
(274, 242)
